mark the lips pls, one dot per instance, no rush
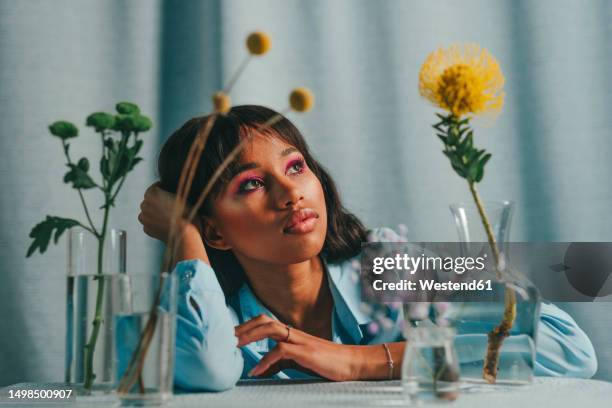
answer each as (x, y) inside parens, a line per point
(301, 221)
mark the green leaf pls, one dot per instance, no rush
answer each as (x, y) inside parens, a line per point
(78, 177)
(465, 145)
(104, 169)
(455, 162)
(474, 155)
(442, 137)
(64, 130)
(481, 166)
(443, 118)
(119, 163)
(108, 143)
(472, 171)
(101, 121)
(459, 171)
(127, 108)
(135, 162)
(42, 232)
(136, 148)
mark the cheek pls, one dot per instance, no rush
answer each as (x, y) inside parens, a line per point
(240, 220)
(315, 192)
(231, 213)
(315, 197)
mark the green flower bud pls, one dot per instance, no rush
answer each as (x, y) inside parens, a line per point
(101, 121)
(64, 130)
(127, 108)
(142, 123)
(83, 164)
(125, 123)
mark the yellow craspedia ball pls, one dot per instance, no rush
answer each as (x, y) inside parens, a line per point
(462, 79)
(221, 102)
(301, 99)
(258, 43)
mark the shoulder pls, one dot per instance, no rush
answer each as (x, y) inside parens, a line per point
(386, 234)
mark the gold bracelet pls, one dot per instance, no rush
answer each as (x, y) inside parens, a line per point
(389, 360)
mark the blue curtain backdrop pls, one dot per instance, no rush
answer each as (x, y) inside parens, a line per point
(64, 59)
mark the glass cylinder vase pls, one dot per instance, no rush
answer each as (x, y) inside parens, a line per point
(94, 292)
(145, 331)
(430, 368)
(509, 361)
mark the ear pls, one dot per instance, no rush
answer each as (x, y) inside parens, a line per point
(211, 235)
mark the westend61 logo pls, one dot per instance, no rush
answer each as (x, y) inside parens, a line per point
(452, 271)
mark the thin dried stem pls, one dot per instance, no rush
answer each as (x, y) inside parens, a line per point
(185, 180)
(230, 157)
(502, 330)
(237, 74)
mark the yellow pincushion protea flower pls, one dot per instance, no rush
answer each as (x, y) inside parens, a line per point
(462, 79)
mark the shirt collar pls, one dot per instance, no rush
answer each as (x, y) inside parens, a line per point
(345, 290)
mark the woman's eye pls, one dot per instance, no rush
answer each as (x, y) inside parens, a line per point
(250, 185)
(295, 167)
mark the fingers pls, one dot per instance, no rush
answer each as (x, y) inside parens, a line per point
(151, 189)
(248, 325)
(273, 330)
(283, 351)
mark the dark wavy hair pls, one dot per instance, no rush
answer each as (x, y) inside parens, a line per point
(345, 232)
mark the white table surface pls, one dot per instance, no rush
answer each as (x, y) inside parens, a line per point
(543, 393)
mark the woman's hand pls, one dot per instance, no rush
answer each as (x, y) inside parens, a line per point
(336, 362)
(156, 213)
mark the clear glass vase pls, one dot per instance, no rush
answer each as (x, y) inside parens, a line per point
(147, 380)
(94, 292)
(430, 368)
(476, 320)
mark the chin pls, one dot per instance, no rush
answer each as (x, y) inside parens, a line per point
(300, 248)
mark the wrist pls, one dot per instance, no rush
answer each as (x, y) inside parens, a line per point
(190, 244)
(188, 231)
(370, 363)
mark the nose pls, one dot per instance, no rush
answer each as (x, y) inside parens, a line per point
(289, 193)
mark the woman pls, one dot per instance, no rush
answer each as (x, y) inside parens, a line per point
(264, 288)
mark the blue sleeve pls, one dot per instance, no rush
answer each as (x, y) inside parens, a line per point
(207, 358)
(563, 349)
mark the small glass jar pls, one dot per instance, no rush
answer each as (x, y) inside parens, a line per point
(430, 370)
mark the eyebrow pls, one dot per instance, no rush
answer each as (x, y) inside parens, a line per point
(254, 165)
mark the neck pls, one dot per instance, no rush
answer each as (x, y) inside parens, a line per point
(298, 294)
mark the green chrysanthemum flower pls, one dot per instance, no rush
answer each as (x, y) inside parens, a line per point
(64, 130)
(101, 121)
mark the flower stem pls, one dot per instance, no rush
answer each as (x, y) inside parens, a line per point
(98, 320)
(92, 228)
(502, 330)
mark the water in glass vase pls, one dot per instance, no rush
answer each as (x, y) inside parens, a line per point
(94, 290)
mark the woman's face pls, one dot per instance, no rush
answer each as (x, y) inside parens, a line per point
(273, 210)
